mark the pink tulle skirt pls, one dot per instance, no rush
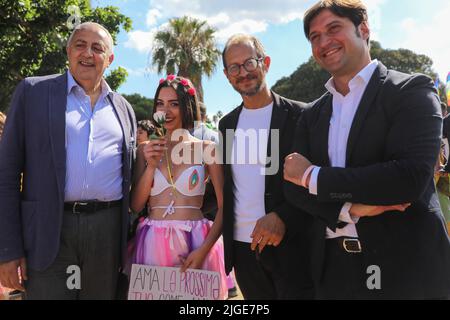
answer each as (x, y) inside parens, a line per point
(162, 242)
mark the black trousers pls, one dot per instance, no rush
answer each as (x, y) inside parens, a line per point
(344, 275)
(90, 242)
(348, 276)
(278, 273)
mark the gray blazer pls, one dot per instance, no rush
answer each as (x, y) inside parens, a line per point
(33, 143)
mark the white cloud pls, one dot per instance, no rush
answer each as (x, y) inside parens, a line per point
(221, 18)
(152, 17)
(137, 72)
(374, 11)
(408, 24)
(235, 16)
(227, 17)
(429, 38)
(244, 26)
(140, 40)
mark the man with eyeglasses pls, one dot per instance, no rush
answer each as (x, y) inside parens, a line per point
(263, 235)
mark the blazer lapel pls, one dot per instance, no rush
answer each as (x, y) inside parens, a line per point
(228, 147)
(57, 124)
(322, 129)
(367, 99)
(279, 115)
(122, 115)
(128, 138)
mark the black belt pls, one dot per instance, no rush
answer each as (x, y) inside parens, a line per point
(90, 206)
(349, 245)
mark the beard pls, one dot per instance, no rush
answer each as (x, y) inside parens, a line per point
(250, 91)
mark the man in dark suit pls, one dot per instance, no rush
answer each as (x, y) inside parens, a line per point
(373, 139)
(261, 231)
(73, 140)
(445, 174)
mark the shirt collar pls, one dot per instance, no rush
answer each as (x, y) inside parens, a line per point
(364, 75)
(71, 83)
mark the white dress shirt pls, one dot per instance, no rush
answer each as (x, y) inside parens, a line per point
(344, 110)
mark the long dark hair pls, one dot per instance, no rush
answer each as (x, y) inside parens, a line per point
(187, 98)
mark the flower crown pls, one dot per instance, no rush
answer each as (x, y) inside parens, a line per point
(183, 81)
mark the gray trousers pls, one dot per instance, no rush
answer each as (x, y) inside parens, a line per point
(89, 255)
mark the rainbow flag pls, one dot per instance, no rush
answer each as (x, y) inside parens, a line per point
(448, 89)
(436, 85)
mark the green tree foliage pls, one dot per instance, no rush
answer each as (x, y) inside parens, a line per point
(307, 82)
(116, 78)
(186, 47)
(33, 37)
(142, 106)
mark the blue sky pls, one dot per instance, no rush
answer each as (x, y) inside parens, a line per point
(417, 25)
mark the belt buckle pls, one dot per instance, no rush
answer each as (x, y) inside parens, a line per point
(356, 241)
(74, 208)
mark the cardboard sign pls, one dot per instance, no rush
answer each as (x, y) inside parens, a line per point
(166, 283)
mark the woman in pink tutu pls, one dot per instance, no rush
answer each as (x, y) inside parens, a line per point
(170, 176)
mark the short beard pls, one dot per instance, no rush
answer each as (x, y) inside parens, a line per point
(253, 91)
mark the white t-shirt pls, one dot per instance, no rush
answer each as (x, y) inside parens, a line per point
(248, 156)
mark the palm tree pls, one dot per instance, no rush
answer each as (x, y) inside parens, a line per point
(186, 47)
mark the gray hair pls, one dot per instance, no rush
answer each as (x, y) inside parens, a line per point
(240, 39)
(110, 42)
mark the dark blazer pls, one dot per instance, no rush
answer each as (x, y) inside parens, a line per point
(391, 152)
(284, 116)
(446, 127)
(446, 134)
(34, 144)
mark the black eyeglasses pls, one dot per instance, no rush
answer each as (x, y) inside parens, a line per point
(249, 65)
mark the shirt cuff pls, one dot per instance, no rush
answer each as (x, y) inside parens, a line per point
(345, 215)
(313, 181)
(305, 176)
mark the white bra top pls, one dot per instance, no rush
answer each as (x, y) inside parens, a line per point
(191, 182)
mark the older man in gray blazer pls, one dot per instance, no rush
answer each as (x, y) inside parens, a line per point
(63, 225)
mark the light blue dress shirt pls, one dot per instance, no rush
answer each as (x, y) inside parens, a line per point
(94, 141)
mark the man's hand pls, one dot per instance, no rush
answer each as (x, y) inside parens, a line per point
(361, 210)
(269, 230)
(295, 166)
(9, 274)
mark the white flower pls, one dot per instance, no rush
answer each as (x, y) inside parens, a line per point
(160, 117)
